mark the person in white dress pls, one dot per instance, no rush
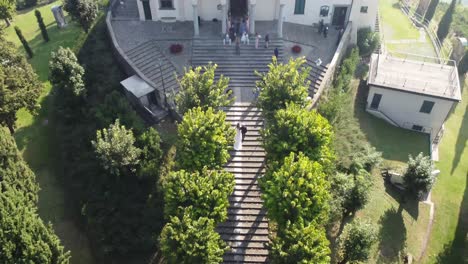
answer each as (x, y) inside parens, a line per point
(238, 138)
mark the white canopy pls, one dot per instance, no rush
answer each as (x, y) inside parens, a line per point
(137, 86)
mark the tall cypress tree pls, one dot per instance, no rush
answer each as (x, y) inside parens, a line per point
(444, 25)
(431, 10)
(24, 42)
(43, 28)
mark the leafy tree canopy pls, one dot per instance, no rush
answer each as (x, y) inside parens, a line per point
(151, 153)
(84, 11)
(298, 190)
(65, 72)
(199, 89)
(356, 241)
(207, 191)
(187, 240)
(19, 85)
(7, 9)
(367, 41)
(205, 139)
(418, 177)
(114, 147)
(283, 84)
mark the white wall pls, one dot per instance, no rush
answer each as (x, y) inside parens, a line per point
(265, 10)
(312, 11)
(361, 20)
(208, 9)
(403, 108)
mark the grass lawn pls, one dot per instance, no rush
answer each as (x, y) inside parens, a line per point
(449, 241)
(402, 224)
(34, 134)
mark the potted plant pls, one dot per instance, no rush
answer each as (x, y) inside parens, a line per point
(296, 49)
(176, 48)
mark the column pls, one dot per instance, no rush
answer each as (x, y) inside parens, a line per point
(280, 21)
(252, 17)
(224, 17)
(196, 30)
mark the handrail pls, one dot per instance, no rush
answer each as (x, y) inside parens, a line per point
(382, 113)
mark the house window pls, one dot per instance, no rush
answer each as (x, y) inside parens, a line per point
(166, 4)
(417, 128)
(364, 9)
(376, 101)
(426, 107)
(299, 8)
(324, 10)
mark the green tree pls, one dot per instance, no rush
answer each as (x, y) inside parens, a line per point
(298, 190)
(23, 235)
(186, 240)
(347, 69)
(205, 139)
(151, 153)
(418, 177)
(84, 11)
(430, 11)
(299, 244)
(367, 41)
(66, 73)
(341, 185)
(19, 85)
(7, 10)
(42, 26)
(283, 84)
(114, 147)
(24, 42)
(446, 21)
(463, 64)
(358, 195)
(356, 241)
(296, 129)
(14, 171)
(198, 88)
(206, 191)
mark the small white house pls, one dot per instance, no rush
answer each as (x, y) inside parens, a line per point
(412, 94)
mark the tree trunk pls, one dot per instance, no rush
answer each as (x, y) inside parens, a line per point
(11, 128)
(7, 21)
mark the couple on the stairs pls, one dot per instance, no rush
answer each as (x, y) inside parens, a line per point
(241, 130)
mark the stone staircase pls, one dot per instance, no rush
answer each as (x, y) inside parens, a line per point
(125, 9)
(316, 75)
(239, 68)
(377, 30)
(246, 229)
(147, 58)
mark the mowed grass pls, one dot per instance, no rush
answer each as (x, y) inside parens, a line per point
(402, 223)
(35, 134)
(449, 242)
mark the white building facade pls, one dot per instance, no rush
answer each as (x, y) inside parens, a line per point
(306, 12)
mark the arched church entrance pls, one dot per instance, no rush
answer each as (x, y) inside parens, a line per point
(238, 8)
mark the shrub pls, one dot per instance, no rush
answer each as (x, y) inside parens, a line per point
(362, 71)
(24, 42)
(367, 41)
(42, 26)
(66, 73)
(358, 195)
(151, 154)
(176, 48)
(84, 11)
(418, 177)
(296, 49)
(355, 242)
(347, 70)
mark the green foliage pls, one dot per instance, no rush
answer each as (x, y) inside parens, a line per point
(186, 240)
(463, 64)
(7, 9)
(296, 129)
(206, 191)
(283, 84)
(41, 24)
(346, 73)
(19, 85)
(23, 235)
(151, 153)
(24, 42)
(367, 158)
(296, 191)
(341, 185)
(367, 41)
(199, 89)
(444, 24)
(205, 139)
(66, 73)
(14, 172)
(418, 177)
(23, 4)
(356, 241)
(84, 11)
(431, 11)
(301, 244)
(358, 195)
(115, 149)
(115, 105)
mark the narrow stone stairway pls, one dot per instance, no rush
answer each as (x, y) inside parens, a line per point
(246, 229)
(316, 75)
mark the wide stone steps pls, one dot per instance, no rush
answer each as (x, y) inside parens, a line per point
(316, 75)
(246, 228)
(154, 65)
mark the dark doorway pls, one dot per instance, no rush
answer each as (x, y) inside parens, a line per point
(147, 9)
(376, 101)
(238, 8)
(339, 15)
